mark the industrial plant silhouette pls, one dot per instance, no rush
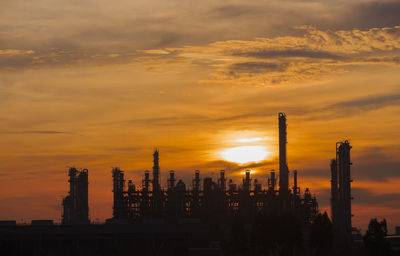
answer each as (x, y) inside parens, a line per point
(210, 217)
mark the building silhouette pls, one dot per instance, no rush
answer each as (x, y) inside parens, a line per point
(212, 201)
(76, 204)
(341, 198)
(283, 167)
(204, 217)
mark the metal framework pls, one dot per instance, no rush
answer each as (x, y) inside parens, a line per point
(213, 199)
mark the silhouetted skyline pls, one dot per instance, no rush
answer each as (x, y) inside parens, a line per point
(97, 84)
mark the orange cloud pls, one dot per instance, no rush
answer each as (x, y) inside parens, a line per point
(13, 52)
(283, 60)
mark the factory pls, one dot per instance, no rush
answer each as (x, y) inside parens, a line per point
(202, 217)
(76, 204)
(207, 200)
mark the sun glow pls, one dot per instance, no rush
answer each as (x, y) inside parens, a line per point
(247, 140)
(245, 154)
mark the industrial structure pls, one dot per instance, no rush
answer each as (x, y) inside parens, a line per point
(76, 204)
(205, 217)
(205, 199)
(341, 197)
(212, 201)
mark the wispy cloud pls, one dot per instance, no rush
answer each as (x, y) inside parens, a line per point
(13, 52)
(35, 132)
(282, 60)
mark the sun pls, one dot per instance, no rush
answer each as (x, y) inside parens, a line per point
(245, 154)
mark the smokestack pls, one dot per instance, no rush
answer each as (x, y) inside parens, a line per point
(196, 181)
(247, 181)
(283, 168)
(171, 181)
(146, 181)
(334, 191)
(295, 182)
(222, 180)
(156, 172)
(272, 181)
(343, 162)
(83, 195)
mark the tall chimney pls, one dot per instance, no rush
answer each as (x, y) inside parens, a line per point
(222, 180)
(334, 191)
(196, 180)
(171, 180)
(247, 181)
(295, 182)
(283, 168)
(343, 163)
(271, 181)
(156, 172)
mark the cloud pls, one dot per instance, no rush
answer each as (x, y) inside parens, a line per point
(375, 13)
(287, 59)
(35, 132)
(376, 165)
(256, 67)
(13, 52)
(101, 28)
(367, 103)
(267, 54)
(351, 107)
(366, 197)
(229, 11)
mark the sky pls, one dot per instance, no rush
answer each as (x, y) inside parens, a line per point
(96, 84)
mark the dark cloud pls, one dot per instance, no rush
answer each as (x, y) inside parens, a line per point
(348, 108)
(368, 103)
(366, 197)
(229, 11)
(369, 164)
(363, 197)
(319, 173)
(376, 165)
(267, 54)
(260, 113)
(256, 67)
(356, 106)
(174, 122)
(375, 14)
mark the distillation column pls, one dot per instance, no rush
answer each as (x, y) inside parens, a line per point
(120, 209)
(283, 168)
(156, 172)
(343, 162)
(295, 188)
(76, 204)
(334, 192)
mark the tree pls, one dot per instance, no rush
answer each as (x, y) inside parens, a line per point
(321, 235)
(374, 239)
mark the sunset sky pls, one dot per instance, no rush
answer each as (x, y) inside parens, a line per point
(96, 84)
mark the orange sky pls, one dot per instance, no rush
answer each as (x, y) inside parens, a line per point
(95, 84)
